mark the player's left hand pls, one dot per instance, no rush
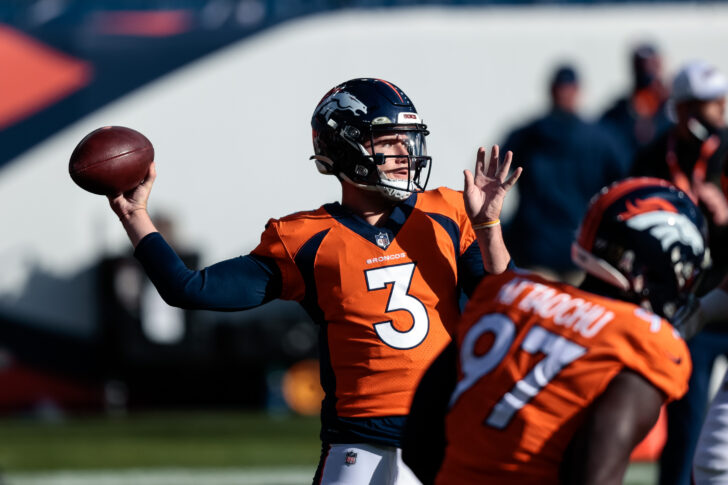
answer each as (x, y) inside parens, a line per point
(486, 190)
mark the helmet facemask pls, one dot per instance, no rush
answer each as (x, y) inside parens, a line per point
(665, 287)
(665, 292)
(373, 169)
(409, 142)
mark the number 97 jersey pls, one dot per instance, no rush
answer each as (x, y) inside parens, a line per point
(533, 355)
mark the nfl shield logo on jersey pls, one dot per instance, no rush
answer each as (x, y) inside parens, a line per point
(382, 240)
(350, 458)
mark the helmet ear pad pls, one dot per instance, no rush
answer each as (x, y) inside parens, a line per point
(339, 148)
(324, 164)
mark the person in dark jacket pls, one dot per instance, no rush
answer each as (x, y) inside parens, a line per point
(641, 115)
(566, 160)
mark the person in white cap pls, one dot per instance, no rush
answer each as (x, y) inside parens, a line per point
(691, 155)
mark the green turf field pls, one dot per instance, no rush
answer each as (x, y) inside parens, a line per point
(176, 448)
(218, 439)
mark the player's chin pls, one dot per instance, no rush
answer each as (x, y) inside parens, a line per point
(397, 176)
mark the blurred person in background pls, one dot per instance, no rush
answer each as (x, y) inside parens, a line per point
(638, 117)
(381, 273)
(566, 160)
(710, 464)
(690, 154)
(710, 461)
(548, 384)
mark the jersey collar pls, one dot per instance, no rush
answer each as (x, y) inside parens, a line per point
(381, 236)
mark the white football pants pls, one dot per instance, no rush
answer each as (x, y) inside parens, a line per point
(364, 464)
(710, 464)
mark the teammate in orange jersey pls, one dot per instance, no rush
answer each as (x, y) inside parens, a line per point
(380, 273)
(552, 384)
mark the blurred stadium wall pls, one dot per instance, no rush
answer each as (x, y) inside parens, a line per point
(225, 89)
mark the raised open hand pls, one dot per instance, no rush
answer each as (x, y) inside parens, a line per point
(486, 190)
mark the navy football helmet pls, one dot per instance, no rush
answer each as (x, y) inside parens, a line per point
(349, 118)
(648, 239)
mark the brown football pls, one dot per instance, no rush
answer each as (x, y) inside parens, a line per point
(111, 160)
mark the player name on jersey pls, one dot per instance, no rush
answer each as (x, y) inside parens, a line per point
(581, 316)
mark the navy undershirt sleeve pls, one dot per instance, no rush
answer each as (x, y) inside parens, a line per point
(471, 270)
(235, 284)
(424, 439)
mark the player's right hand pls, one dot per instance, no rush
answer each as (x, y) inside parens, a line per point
(124, 205)
(486, 190)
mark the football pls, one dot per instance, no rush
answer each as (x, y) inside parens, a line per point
(111, 160)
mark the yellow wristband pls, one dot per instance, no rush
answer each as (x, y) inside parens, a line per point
(486, 224)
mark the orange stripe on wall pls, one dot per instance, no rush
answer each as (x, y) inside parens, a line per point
(34, 76)
(160, 23)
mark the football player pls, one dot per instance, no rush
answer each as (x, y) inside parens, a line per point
(380, 272)
(549, 383)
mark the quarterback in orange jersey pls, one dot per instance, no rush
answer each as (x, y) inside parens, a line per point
(380, 272)
(545, 383)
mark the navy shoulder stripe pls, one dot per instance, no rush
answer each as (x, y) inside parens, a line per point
(452, 228)
(305, 259)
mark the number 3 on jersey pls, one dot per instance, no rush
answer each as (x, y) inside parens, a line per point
(400, 277)
(559, 353)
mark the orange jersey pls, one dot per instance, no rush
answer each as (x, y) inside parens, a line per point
(533, 355)
(383, 296)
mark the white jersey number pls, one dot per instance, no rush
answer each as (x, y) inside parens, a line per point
(400, 278)
(559, 353)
